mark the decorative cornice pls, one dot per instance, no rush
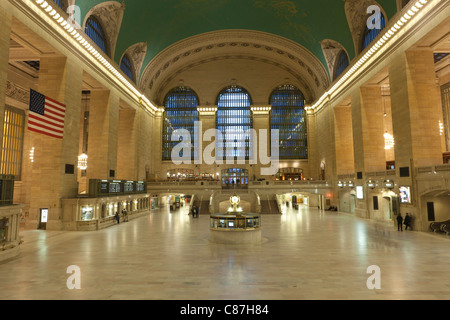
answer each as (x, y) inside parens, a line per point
(237, 43)
(17, 93)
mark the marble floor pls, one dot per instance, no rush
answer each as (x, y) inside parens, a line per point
(305, 254)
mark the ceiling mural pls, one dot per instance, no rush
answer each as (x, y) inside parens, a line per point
(162, 23)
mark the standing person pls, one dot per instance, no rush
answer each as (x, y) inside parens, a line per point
(117, 217)
(407, 222)
(400, 222)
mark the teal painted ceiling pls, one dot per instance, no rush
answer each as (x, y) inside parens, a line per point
(162, 23)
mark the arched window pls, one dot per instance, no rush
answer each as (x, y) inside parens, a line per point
(342, 62)
(234, 120)
(62, 4)
(95, 31)
(378, 23)
(288, 115)
(180, 113)
(126, 67)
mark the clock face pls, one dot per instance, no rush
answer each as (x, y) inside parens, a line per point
(234, 200)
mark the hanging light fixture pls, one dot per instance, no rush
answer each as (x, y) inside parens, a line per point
(82, 161)
(389, 141)
(441, 127)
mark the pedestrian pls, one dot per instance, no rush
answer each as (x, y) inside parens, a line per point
(400, 222)
(117, 217)
(407, 222)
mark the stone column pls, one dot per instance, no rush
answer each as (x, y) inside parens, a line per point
(345, 160)
(103, 135)
(368, 129)
(415, 110)
(127, 145)
(415, 119)
(145, 144)
(368, 139)
(207, 118)
(52, 178)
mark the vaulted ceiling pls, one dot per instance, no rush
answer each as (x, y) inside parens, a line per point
(162, 23)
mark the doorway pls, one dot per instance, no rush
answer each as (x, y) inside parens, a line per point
(43, 219)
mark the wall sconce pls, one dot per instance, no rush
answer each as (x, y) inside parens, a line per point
(389, 184)
(32, 154)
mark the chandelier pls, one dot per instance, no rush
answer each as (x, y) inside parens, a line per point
(441, 128)
(389, 141)
(82, 161)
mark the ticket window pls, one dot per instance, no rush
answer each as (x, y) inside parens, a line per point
(43, 219)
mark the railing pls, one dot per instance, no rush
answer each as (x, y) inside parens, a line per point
(434, 169)
(251, 184)
(3, 230)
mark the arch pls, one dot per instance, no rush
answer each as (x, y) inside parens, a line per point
(110, 15)
(180, 113)
(341, 63)
(332, 50)
(136, 54)
(357, 18)
(288, 116)
(127, 67)
(93, 28)
(234, 118)
(239, 47)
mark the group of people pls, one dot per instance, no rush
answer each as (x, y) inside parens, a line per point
(195, 211)
(124, 215)
(406, 221)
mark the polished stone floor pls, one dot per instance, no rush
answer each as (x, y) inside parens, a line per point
(305, 255)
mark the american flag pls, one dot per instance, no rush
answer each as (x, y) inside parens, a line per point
(46, 115)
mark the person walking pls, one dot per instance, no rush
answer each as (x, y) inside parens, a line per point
(407, 222)
(400, 222)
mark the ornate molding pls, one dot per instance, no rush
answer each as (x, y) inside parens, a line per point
(243, 44)
(110, 15)
(137, 54)
(17, 93)
(356, 13)
(331, 50)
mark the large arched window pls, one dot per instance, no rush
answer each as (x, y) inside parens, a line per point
(288, 115)
(95, 31)
(180, 113)
(378, 24)
(235, 121)
(342, 62)
(127, 67)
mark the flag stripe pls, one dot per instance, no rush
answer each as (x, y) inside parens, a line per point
(55, 114)
(54, 119)
(39, 119)
(55, 102)
(46, 127)
(45, 132)
(56, 108)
